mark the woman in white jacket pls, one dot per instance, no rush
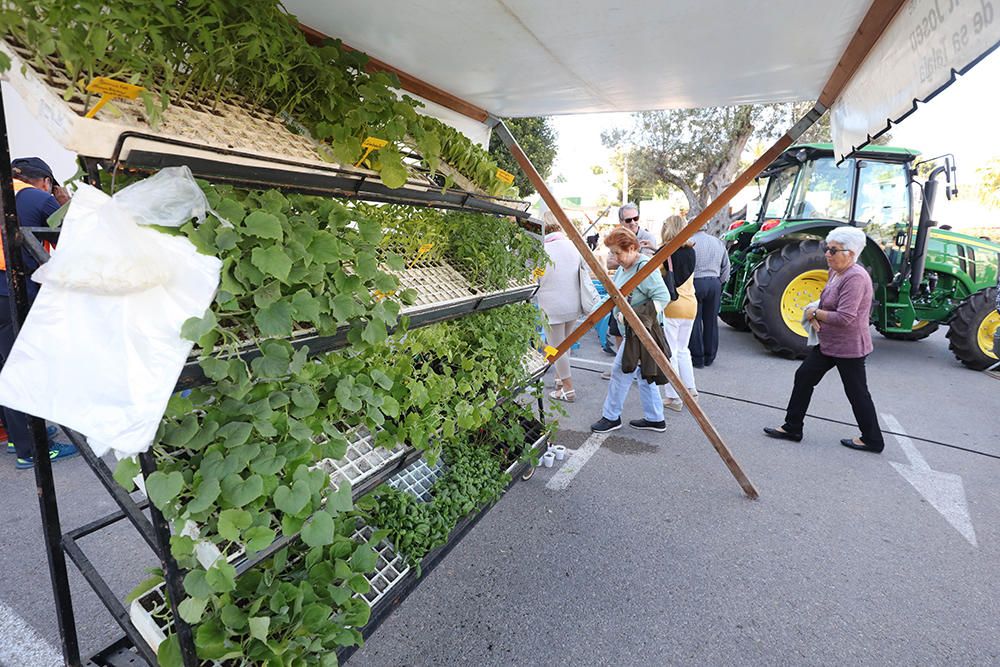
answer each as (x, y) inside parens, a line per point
(559, 298)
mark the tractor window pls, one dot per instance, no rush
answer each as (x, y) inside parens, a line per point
(883, 200)
(779, 191)
(824, 190)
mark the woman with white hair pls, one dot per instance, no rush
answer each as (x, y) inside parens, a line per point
(841, 322)
(559, 298)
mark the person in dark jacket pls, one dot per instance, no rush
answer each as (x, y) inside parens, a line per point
(37, 196)
(624, 245)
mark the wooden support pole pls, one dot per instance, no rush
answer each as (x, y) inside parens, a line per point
(618, 298)
(697, 223)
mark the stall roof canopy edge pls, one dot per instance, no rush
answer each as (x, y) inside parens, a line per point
(527, 58)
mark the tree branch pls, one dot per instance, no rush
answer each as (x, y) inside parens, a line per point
(667, 176)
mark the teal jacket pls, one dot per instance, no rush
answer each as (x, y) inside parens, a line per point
(652, 288)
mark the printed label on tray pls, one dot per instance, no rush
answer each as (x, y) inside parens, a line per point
(105, 86)
(373, 143)
(505, 176)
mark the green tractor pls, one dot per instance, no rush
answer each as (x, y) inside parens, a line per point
(924, 276)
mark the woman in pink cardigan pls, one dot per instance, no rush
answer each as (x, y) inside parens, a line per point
(842, 324)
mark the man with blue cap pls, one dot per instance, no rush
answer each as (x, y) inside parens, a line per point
(37, 195)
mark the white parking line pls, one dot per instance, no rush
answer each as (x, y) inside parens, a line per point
(943, 490)
(567, 472)
(21, 646)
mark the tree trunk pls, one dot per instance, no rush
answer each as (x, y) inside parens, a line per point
(721, 176)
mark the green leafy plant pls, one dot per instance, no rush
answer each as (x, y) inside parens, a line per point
(251, 54)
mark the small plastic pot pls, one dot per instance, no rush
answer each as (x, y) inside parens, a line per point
(548, 459)
(559, 451)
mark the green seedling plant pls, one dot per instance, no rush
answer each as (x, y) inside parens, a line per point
(251, 54)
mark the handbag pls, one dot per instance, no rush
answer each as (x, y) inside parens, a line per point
(589, 298)
(667, 270)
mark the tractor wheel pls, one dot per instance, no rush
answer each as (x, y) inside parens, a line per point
(779, 291)
(970, 336)
(737, 321)
(921, 329)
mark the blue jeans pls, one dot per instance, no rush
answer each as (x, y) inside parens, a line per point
(652, 403)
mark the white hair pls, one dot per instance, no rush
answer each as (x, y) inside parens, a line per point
(851, 238)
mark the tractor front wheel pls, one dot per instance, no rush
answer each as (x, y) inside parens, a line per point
(737, 321)
(780, 289)
(970, 336)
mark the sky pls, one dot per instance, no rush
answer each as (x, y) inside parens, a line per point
(961, 120)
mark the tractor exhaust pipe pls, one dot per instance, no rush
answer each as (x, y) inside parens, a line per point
(923, 229)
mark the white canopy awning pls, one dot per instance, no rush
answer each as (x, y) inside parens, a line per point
(532, 58)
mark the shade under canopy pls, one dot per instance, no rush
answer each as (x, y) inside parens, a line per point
(532, 58)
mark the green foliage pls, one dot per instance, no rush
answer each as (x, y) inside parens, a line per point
(249, 53)
(474, 477)
(242, 460)
(538, 138)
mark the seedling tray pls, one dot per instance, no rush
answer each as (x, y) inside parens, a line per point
(417, 479)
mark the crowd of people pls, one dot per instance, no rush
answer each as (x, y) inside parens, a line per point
(679, 307)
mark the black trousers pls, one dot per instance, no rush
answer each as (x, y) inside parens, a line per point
(704, 343)
(852, 374)
(16, 422)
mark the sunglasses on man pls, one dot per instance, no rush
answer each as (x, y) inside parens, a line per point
(635, 219)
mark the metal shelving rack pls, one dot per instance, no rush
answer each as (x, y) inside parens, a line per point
(137, 150)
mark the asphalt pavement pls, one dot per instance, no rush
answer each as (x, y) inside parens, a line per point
(649, 553)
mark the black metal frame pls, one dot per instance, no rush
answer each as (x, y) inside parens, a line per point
(400, 591)
(132, 649)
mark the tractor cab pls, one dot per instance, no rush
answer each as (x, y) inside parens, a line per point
(806, 187)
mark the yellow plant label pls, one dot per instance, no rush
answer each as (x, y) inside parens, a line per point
(370, 144)
(538, 273)
(425, 248)
(382, 296)
(505, 176)
(105, 86)
(374, 143)
(110, 89)
(550, 352)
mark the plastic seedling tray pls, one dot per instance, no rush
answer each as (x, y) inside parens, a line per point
(151, 616)
(390, 567)
(362, 460)
(417, 479)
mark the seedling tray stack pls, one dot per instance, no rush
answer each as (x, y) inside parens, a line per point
(233, 143)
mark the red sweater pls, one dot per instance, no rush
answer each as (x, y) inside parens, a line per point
(847, 303)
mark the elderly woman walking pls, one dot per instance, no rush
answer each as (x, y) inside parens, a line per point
(841, 321)
(559, 298)
(625, 247)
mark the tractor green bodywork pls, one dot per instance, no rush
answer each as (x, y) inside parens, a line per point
(808, 194)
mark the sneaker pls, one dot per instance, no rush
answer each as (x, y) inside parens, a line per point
(674, 404)
(57, 452)
(644, 425)
(11, 449)
(606, 375)
(605, 425)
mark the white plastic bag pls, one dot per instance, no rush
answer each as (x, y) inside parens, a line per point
(85, 260)
(100, 351)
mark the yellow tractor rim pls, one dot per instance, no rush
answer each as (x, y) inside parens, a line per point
(987, 329)
(801, 291)
(920, 324)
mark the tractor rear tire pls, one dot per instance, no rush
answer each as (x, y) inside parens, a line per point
(917, 334)
(767, 288)
(972, 329)
(737, 321)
